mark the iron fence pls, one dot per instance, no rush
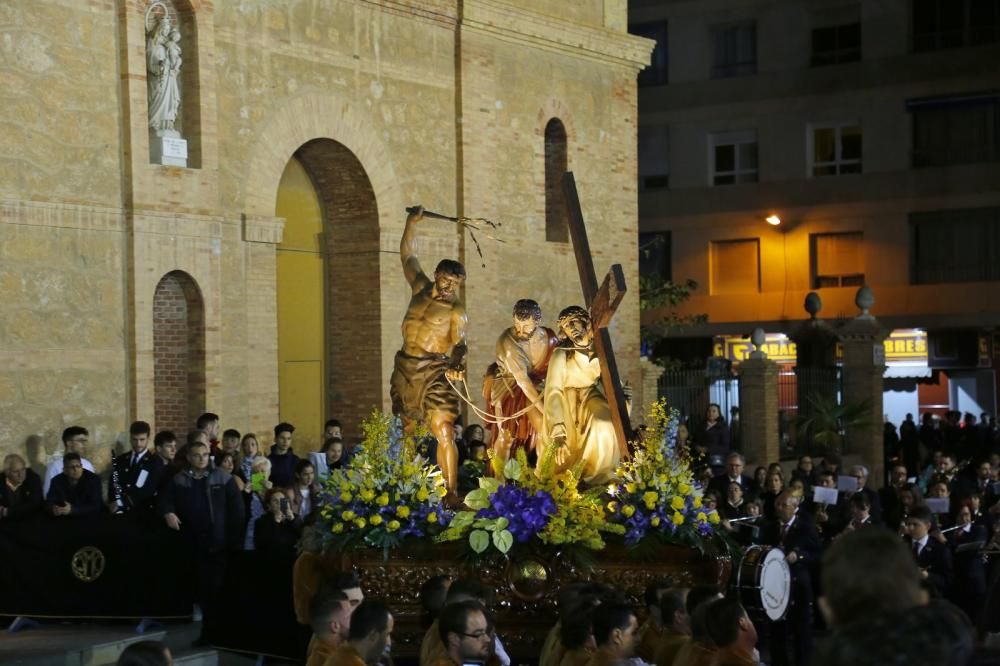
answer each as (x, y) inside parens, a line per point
(692, 391)
(799, 389)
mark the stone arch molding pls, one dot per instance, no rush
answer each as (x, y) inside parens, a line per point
(316, 116)
(555, 108)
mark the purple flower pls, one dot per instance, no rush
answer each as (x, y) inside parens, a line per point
(526, 514)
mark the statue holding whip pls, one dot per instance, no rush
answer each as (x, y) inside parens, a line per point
(433, 351)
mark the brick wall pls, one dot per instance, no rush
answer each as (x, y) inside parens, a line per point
(178, 353)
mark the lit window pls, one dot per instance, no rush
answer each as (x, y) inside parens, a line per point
(735, 266)
(838, 260)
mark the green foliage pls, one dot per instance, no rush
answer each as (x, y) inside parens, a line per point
(657, 294)
(827, 422)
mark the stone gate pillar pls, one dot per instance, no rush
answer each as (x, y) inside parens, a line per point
(863, 368)
(759, 405)
(651, 374)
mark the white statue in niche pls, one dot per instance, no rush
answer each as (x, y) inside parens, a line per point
(163, 64)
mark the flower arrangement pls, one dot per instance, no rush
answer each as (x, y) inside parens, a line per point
(385, 494)
(517, 506)
(655, 495)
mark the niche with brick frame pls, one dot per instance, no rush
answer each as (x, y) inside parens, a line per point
(556, 164)
(178, 353)
(189, 121)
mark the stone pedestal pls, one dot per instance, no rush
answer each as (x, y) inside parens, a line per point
(759, 411)
(168, 148)
(651, 374)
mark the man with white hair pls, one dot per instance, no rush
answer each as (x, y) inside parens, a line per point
(20, 490)
(860, 472)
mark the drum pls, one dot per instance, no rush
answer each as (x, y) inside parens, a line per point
(764, 581)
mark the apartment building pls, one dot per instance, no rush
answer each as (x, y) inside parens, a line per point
(796, 146)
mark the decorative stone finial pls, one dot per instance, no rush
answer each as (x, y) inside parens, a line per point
(757, 337)
(813, 304)
(865, 299)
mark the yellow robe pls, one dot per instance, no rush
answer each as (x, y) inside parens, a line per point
(574, 398)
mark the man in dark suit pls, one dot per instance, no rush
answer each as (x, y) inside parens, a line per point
(733, 474)
(860, 514)
(933, 557)
(794, 532)
(20, 490)
(860, 472)
(76, 491)
(129, 487)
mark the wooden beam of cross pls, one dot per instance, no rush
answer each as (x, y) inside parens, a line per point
(602, 303)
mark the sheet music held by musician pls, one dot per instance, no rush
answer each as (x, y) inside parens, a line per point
(937, 504)
(823, 495)
(847, 484)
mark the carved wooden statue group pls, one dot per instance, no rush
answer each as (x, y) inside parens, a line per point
(547, 387)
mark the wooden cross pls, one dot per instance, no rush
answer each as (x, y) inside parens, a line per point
(602, 303)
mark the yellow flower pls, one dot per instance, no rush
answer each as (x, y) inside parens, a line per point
(368, 494)
(403, 511)
(338, 528)
(677, 503)
(630, 487)
(696, 503)
(655, 521)
(628, 510)
(612, 506)
(650, 499)
(345, 496)
(701, 517)
(432, 518)
(382, 500)
(678, 519)
(348, 515)
(714, 517)
(360, 523)
(392, 525)
(442, 491)
(422, 495)
(684, 489)
(376, 519)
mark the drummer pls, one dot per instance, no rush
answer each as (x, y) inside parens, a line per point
(794, 532)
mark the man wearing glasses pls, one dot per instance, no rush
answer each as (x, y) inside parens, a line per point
(465, 633)
(74, 440)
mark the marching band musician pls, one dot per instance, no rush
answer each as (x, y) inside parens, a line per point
(933, 558)
(966, 538)
(794, 532)
(129, 487)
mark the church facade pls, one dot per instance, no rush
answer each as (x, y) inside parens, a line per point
(261, 280)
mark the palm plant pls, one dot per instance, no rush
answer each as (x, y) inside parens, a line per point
(827, 422)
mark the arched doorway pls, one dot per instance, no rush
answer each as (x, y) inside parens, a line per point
(329, 299)
(178, 353)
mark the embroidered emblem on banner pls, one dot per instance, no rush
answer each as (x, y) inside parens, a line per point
(88, 564)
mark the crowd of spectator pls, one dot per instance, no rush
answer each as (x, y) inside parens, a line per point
(222, 494)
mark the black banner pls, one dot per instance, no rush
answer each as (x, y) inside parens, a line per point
(101, 567)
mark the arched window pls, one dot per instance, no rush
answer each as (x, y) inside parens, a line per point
(556, 225)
